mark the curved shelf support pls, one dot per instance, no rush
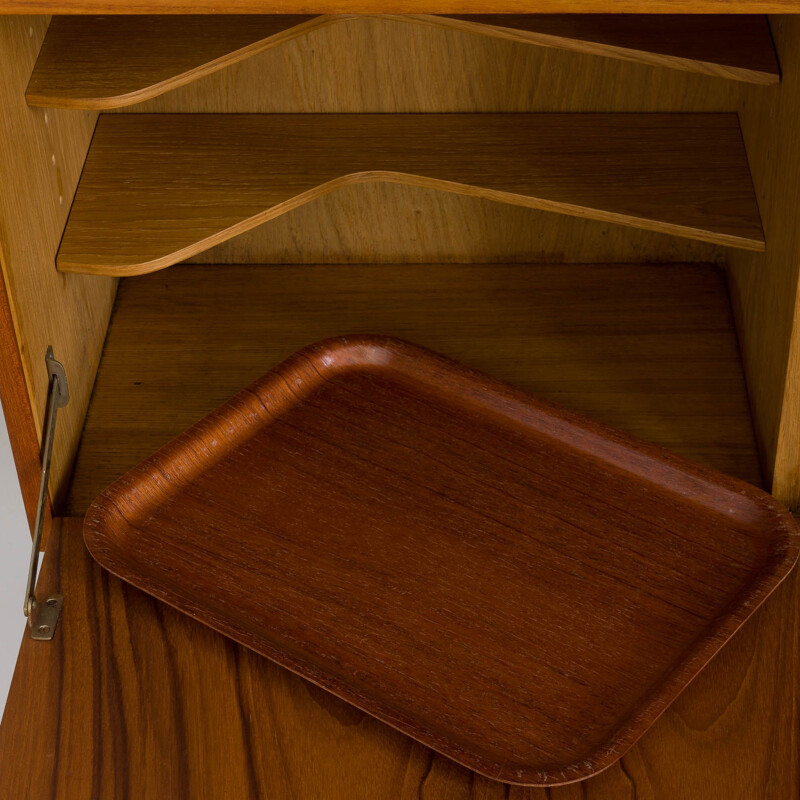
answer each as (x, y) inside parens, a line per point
(112, 62)
(159, 188)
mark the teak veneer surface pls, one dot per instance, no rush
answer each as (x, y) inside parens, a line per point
(648, 349)
(135, 699)
(395, 6)
(518, 587)
(157, 189)
(138, 700)
(116, 61)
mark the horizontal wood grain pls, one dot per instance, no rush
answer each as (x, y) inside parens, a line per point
(376, 65)
(116, 61)
(518, 587)
(650, 350)
(157, 189)
(397, 7)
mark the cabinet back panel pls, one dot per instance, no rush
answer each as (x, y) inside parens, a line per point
(388, 66)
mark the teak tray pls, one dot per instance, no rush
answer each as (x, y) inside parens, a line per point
(520, 588)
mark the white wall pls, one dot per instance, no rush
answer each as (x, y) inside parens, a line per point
(15, 548)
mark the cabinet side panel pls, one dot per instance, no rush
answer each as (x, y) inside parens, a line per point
(764, 286)
(41, 157)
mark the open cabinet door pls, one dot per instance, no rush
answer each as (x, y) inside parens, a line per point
(135, 699)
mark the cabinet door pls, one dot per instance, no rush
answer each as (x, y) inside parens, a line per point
(133, 699)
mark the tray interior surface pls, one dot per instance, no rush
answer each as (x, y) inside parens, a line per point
(515, 586)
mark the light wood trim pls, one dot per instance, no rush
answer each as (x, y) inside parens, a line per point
(117, 61)
(399, 7)
(377, 65)
(158, 189)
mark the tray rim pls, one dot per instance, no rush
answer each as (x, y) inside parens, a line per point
(110, 508)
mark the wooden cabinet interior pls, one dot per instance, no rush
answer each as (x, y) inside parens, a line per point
(647, 345)
(649, 349)
(116, 61)
(157, 189)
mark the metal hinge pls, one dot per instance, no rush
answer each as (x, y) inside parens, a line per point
(43, 615)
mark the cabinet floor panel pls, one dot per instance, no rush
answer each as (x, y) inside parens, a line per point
(649, 349)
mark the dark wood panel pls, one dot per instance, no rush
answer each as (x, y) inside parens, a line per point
(650, 350)
(159, 188)
(135, 700)
(114, 61)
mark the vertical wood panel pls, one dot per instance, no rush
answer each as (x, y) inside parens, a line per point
(41, 156)
(17, 409)
(764, 289)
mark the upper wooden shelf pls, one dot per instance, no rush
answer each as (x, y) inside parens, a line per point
(111, 62)
(158, 189)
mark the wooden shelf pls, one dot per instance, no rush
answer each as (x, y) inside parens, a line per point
(158, 188)
(116, 61)
(651, 350)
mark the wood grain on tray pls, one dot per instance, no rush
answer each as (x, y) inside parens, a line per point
(517, 587)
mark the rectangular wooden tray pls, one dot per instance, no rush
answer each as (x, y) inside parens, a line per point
(517, 587)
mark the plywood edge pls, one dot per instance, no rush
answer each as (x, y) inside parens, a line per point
(786, 476)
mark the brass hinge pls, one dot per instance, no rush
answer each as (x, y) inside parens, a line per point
(43, 615)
